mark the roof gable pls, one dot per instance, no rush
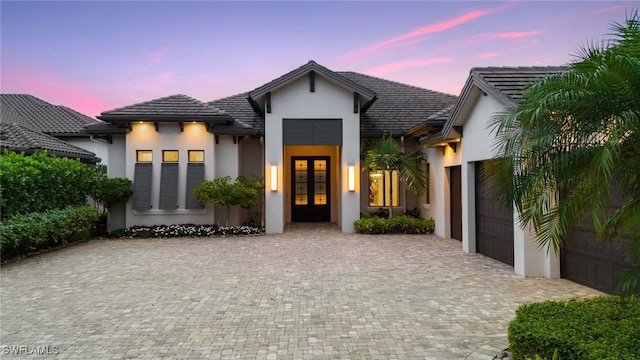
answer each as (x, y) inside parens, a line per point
(506, 84)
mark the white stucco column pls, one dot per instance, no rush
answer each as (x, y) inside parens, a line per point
(528, 258)
(350, 156)
(274, 156)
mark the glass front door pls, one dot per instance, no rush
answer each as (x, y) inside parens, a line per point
(310, 189)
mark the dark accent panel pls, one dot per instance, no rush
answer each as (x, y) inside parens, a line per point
(356, 102)
(195, 176)
(169, 186)
(494, 221)
(268, 99)
(596, 264)
(455, 193)
(312, 131)
(142, 177)
(312, 81)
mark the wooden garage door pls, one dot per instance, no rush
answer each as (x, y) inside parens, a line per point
(455, 184)
(596, 264)
(494, 221)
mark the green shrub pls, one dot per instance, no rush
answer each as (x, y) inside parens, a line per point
(110, 191)
(23, 234)
(38, 183)
(381, 213)
(603, 327)
(399, 225)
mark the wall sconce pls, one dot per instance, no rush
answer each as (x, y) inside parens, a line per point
(351, 172)
(274, 177)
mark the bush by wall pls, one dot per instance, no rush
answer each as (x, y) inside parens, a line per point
(21, 235)
(603, 327)
(396, 225)
(39, 183)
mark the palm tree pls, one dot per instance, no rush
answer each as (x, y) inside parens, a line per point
(573, 141)
(384, 155)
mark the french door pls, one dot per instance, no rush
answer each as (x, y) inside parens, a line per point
(310, 187)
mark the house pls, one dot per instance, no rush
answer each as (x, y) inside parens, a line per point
(460, 197)
(302, 132)
(29, 124)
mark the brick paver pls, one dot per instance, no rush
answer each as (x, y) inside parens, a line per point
(310, 293)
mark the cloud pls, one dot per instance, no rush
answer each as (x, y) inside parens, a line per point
(504, 35)
(58, 90)
(488, 55)
(417, 35)
(159, 55)
(407, 64)
(164, 78)
(608, 9)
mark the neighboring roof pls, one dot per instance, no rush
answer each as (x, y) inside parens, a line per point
(173, 108)
(399, 107)
(506, 84)
(34, 113)
(305, 69)
(18, 138)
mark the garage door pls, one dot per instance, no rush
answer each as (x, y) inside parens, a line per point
(592, 263)
(494, 221)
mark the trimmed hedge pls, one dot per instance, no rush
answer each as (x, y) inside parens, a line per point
(396, 225)
(39, 183)
(603, 327)
(21, 235)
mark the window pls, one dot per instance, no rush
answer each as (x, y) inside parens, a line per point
(383, 188)
(144, 156)
(170, 156)
(196, 156)
(428, 184)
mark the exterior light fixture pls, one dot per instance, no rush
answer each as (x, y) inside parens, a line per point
(274, 178)
(351, 172)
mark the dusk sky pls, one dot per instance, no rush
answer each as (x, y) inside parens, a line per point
(96, 56)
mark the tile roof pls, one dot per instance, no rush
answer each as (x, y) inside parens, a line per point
(174, 107)
(39, 115)
(22, 139)
(398, 108)
(511, 82)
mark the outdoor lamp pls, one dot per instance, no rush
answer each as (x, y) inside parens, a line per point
(351, 172)
(274, 177)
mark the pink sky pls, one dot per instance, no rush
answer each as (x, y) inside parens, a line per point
(95, 56)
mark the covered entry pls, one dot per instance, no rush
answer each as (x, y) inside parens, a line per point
(494, 221)
(310, 187)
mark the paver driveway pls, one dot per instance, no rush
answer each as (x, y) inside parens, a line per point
(309, 293)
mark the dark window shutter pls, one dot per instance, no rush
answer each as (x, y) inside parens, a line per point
(195, 176)
(169, 186)
(142, 177)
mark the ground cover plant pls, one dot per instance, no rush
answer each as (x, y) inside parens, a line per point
(603, 327)
(185, 230)
(402, 224)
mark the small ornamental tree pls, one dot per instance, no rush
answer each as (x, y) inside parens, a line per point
(110, 191)
(254, 186)
(221, 191)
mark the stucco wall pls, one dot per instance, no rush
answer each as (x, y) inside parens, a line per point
(295, 101)
(143, 136)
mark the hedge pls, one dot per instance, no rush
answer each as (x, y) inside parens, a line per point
(38, 183)
(603, 327)
(21, 235)
(402, 224)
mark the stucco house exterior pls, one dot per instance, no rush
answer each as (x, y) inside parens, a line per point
(460, 198)
(302, 132)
